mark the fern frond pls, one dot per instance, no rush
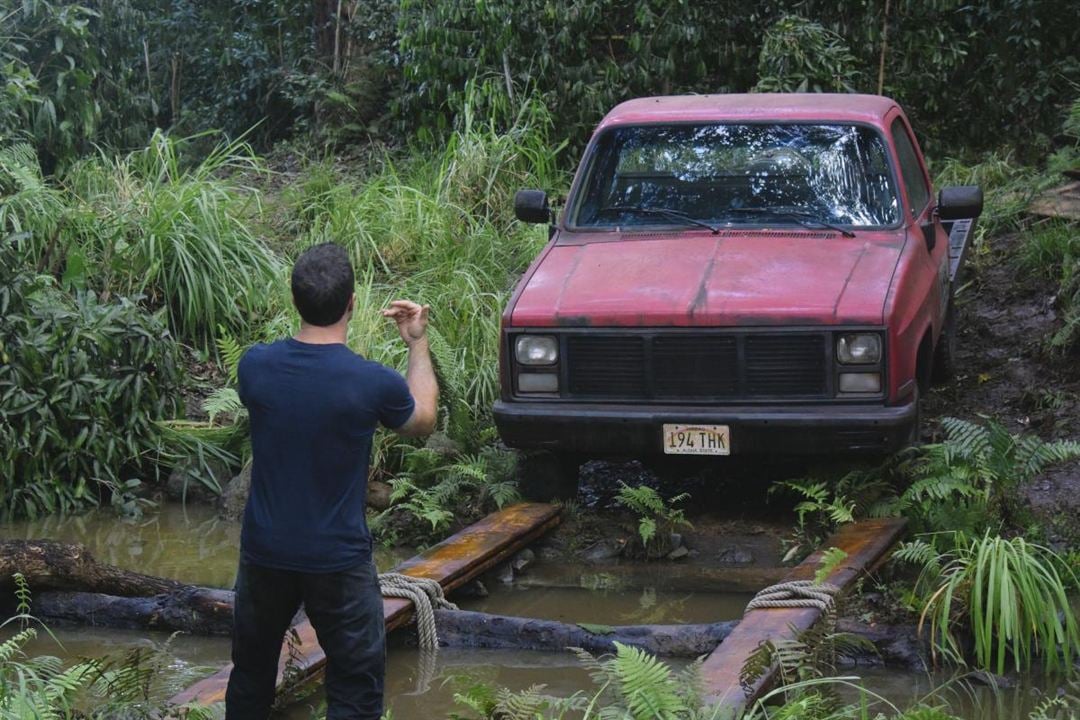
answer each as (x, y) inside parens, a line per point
(224, 401)
(646, 685)
(964, 439)
(231, 351)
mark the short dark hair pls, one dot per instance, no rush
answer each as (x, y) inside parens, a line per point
(322, 283)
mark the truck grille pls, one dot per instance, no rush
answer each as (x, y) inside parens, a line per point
(699, 367)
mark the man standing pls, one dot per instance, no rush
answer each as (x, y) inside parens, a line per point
(314, 405)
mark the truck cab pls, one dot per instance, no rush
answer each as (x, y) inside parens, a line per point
(736, 274)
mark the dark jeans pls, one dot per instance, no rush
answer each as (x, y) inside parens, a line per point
(346, 611)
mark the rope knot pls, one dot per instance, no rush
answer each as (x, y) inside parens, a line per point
(796, 594)
(426, 596)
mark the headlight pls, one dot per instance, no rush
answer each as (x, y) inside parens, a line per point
(858, 349)
(536, 350)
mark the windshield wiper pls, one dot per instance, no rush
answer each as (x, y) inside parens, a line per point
(662, 212)
(805, 219)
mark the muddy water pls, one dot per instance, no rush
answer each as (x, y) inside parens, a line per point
(190, 544)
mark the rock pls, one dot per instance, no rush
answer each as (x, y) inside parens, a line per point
(604, 549)
(234, 496)
(522, 560)
(184, 484)
(442, 444)
(474, 589)
(991, 680)
(676, 540)
(550, 552)
(504, 574)
(378, 495)
(678, 553)
(735, 555)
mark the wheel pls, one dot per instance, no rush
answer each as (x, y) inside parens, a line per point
(544, 476)
(945, 352)
(915, 434)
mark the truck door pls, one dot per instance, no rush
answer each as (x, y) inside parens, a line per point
(926, 228)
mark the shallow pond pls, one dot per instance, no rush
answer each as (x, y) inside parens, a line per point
(192, 545)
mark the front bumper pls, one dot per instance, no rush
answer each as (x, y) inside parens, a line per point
(635, 430)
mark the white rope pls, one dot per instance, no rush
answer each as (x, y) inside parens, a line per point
(796, 594)
(426, 596)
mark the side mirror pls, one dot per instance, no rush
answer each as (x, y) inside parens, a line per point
(531, 206)
(961, 202)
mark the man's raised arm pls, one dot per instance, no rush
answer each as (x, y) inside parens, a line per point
(412, 320)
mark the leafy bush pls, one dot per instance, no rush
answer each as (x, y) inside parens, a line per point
(81, 383)
(798, 55)
(1011, 594)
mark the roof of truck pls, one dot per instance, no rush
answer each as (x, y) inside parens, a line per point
(755, 107)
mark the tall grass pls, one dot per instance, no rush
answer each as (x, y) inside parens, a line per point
(1011, 593)
(179, 233)
(148, 223)
(438, 228)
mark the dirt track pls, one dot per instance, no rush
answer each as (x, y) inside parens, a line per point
(1007, 371)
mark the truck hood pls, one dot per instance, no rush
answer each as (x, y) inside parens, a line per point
(752, 277)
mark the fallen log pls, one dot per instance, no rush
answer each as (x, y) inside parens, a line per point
(474, 630)
(49, 565)
(195, 610)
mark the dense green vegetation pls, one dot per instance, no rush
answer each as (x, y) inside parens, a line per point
(162, 163)
(109, 72)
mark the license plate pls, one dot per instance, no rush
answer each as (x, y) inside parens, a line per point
(697, 439)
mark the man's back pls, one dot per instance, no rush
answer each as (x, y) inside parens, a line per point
(314, 409)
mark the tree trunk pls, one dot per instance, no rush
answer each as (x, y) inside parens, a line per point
(49, 565)
(323, 26)
(199, 611)
(464, 629)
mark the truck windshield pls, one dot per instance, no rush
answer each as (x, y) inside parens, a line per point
(739, 174)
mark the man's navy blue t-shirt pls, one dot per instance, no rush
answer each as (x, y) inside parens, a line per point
(313, 409)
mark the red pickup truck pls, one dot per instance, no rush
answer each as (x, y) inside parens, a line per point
(766, 273)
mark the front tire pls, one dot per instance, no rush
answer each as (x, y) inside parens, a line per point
(945, 352)
(545, 476)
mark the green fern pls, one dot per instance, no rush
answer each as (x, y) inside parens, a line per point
(831, 559)
(225, 401)
(647, 685)
(657, 517)
(230, 351)
(972, 475)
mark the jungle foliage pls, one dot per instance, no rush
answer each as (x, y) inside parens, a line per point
(1007, 64)
(1011, 593)
(82, 381)
(110, 72)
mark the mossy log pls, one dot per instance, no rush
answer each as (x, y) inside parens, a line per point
(194, 610)
(464, 629)
(50, 565)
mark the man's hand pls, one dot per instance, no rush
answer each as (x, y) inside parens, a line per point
(411, 319)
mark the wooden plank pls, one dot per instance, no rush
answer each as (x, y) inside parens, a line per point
(867, 544)
(1062, 202)
(453, 562)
